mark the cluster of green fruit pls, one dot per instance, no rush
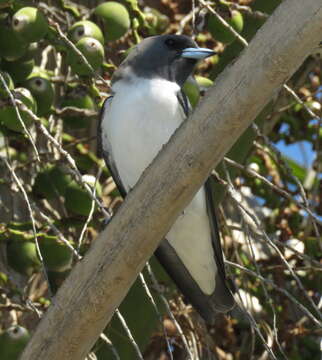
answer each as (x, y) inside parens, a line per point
(36, 92)
(20, 30)
(23, 32)
(22, 254)
(218, 30)
(21, 251)
(52, 182)
(89, 39)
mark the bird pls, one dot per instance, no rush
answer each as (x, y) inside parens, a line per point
(147, 105)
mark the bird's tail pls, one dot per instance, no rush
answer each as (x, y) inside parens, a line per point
(221, 300)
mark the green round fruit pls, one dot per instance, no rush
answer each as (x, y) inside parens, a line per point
(116, 19)
(12, 46)
(203, 82)
(22, 256)
(57, 255)
(157, 21)
(9, 82)
(51, 182)
(78, 97)
(30, 24)
(42, 90)
(83, 29)
(191, 89)
(12, 342)
(78, 200)
(152, 21)
(93, 51)
(8, 115)
(220, 32)
(19, 70)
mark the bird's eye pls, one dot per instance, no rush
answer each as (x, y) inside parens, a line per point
(170, 42)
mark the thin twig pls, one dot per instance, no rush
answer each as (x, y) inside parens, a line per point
(75, 111)
(129, 334)
(268, 299)
(150, 297)
(289, 173)
(69, 158)
(164, 300)
(33, 222)
(280, 243)
(256, 221)
(224, 22)
(280, 191)
(184, 21)
(57, 232)
(22, 123)
(110, 345)
(277, 288)
(249, 11)
(254, 325)
(91, 212)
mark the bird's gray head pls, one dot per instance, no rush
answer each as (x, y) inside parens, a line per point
(170, 57)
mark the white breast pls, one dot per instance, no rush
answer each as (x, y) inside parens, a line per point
(137, 136)
(140, 120)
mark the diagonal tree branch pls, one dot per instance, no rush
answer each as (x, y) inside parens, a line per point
(88, 298)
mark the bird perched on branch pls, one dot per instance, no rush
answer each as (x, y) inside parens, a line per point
(146, 107)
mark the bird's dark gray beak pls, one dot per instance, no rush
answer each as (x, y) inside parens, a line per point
(197, 53)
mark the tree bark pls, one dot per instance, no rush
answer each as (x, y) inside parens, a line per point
(87, 299)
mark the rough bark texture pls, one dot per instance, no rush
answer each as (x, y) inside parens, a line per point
(86, 301)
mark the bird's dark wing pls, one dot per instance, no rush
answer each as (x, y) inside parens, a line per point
(221, 300)
(184, 102)
(212, 214)
(106, 149)
(224, 295)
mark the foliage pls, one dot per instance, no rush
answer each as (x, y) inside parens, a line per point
(56, 62)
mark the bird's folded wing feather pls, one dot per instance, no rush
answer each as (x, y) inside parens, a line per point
(106, 150)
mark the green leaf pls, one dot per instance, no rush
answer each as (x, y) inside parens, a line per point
(298, 170)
